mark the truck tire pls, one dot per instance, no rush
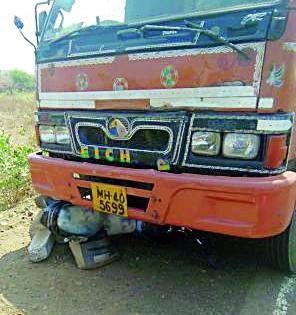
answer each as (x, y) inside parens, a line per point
(282, 249)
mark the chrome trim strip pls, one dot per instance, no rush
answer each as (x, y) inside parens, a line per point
(266, 103)
(245, 170)
(182, 44)
(274, 125)
(220, 91)
(188, 139)
(229, 102)
(56, 150)
(178, 144)
(221, 49)
(79, 62)
(67, 104)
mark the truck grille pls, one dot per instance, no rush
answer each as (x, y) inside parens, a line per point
(146, 139)
(143, 139)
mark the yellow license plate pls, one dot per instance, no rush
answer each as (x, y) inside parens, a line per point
(109, 199)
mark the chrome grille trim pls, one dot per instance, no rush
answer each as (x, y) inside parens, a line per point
(133, 131)
(175, 141)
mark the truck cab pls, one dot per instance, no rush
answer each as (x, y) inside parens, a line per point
(173, 113)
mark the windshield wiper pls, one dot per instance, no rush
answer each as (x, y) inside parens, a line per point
(191, 27)
(218, 38)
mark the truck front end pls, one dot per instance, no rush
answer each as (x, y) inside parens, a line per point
(176, 113)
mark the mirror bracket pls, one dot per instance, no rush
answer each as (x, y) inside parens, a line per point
(36, 17)
(20, 25)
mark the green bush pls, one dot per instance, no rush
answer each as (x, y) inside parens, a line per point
(14, 173)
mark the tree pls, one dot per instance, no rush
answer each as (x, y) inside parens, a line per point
(21, 80)
(16, 80)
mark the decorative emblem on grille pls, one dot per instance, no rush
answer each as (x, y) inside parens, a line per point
(120, 84)
(82, 81)
(163, 165)
(276, 76)
(169, 77)
(119, 128)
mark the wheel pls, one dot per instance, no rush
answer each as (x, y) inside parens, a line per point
(282, 249)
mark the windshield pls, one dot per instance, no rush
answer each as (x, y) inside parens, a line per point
(70, 15)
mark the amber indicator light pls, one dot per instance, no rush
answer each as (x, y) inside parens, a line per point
(276, 151)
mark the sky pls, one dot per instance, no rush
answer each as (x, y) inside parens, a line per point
(15, 52)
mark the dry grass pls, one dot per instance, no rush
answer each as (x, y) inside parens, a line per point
(16, 142)
(17, 117)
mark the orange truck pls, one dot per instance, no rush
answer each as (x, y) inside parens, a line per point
(172, 113)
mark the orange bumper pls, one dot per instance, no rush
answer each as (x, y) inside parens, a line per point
(240, 206)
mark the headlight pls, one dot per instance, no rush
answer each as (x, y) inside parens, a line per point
(54, 135)
(62, 135)
(242, 146)
(206, 143)
(47, 134)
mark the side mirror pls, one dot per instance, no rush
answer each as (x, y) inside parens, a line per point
(18, 23)
(42, 17)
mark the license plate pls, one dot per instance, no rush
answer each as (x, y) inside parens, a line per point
(109, 199)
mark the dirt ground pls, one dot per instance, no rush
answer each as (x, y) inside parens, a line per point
(171, 277)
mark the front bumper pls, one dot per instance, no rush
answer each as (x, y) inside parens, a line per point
(249, 207)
